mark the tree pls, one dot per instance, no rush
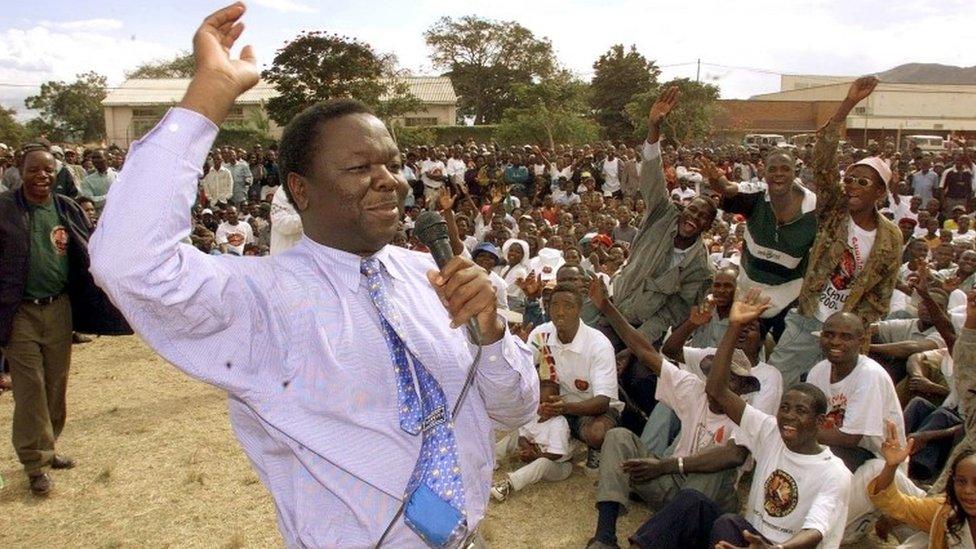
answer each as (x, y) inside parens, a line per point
(317, 66)
(618, 77)
(72, 112)
(486, 59)
(246, 133)
(554, 110)
(690, 121)
(12, 133)
(181, 66)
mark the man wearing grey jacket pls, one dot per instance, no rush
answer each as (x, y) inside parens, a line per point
(668, 271)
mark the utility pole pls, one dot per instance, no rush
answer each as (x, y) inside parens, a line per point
(698, 71)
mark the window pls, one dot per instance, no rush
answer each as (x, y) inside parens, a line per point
(420, 121)
(236, 113)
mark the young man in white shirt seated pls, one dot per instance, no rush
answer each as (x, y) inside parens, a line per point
(860, 397)
(799, 492)
(581, 360)
(704, 459)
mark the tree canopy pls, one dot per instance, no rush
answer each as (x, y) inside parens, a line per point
(553, 110)
(486, 60)
(618, 77)
(12, 132)
(691, 120)
(70, 111)
(316, 66)
(181, 66)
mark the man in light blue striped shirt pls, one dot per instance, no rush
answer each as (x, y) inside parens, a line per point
(295, 339)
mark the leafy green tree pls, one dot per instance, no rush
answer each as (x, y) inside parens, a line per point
(12, 132)
(690, 121)
(181, 66)
(486, 60)
(553, 110)
(72, 111)
(245, 133)
(619, 76)
(316, 66)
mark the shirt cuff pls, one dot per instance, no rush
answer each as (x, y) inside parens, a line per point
(186, 133)
(651, 150)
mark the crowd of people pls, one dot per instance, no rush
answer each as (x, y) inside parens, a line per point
(797, 324)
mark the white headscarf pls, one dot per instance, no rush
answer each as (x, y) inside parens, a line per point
(511, 273)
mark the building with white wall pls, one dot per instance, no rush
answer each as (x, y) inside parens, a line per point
(133, 108)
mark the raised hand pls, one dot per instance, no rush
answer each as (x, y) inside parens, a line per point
(861, 88)
(531, 285)
(665, 102)
(701, 314)
(710, 170)
(218, 79)
(891, 449)
(749, 307)
(446, 199)
(599, 294)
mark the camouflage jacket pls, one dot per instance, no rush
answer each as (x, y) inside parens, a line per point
(871, 290)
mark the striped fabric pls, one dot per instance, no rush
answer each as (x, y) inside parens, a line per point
(295, 341)
(774, 257)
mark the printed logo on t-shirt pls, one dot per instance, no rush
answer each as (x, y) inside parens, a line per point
(780, 494)
(836, 410)
(582, 384)
(838, 288)
(235, 239)
(59, 239)
(705, 438)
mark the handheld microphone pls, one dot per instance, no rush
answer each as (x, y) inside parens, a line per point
(431, 229)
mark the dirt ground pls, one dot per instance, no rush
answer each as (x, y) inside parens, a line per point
(158, 466)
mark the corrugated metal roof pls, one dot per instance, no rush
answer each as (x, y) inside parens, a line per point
(167, 91)
(432, 89)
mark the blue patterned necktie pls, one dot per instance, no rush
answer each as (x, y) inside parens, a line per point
(438, 470)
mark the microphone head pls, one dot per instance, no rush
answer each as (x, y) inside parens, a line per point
(429, 228)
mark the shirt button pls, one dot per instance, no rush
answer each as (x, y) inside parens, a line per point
(173, 126)
(493, 358)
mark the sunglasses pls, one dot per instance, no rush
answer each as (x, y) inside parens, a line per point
(861, 181)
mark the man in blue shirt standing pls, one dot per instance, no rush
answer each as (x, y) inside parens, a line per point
(346, 394)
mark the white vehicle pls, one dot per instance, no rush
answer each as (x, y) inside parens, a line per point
(928, 143)
(763, 140)
(799, 141)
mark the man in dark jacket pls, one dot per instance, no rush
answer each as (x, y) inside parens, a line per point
(45, 292)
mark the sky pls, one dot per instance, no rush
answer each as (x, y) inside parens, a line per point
(743, 46)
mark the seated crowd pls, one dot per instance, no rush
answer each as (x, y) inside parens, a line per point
(792, 326)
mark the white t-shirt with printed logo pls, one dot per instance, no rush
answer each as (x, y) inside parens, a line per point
(838, 286)
(684, 392)
(860, 403)
(790, 491)
(235, 236)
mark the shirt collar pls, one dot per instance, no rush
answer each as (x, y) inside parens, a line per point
(345, 265)
(576, 345)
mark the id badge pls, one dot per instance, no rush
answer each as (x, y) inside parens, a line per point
(433, 519)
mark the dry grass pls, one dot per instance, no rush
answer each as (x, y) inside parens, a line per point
(159, 467)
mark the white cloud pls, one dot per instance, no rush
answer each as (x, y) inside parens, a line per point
(31, 56)
(284, 6)
(89, 25)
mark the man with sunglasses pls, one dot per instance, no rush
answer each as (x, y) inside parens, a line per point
(855, 258)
